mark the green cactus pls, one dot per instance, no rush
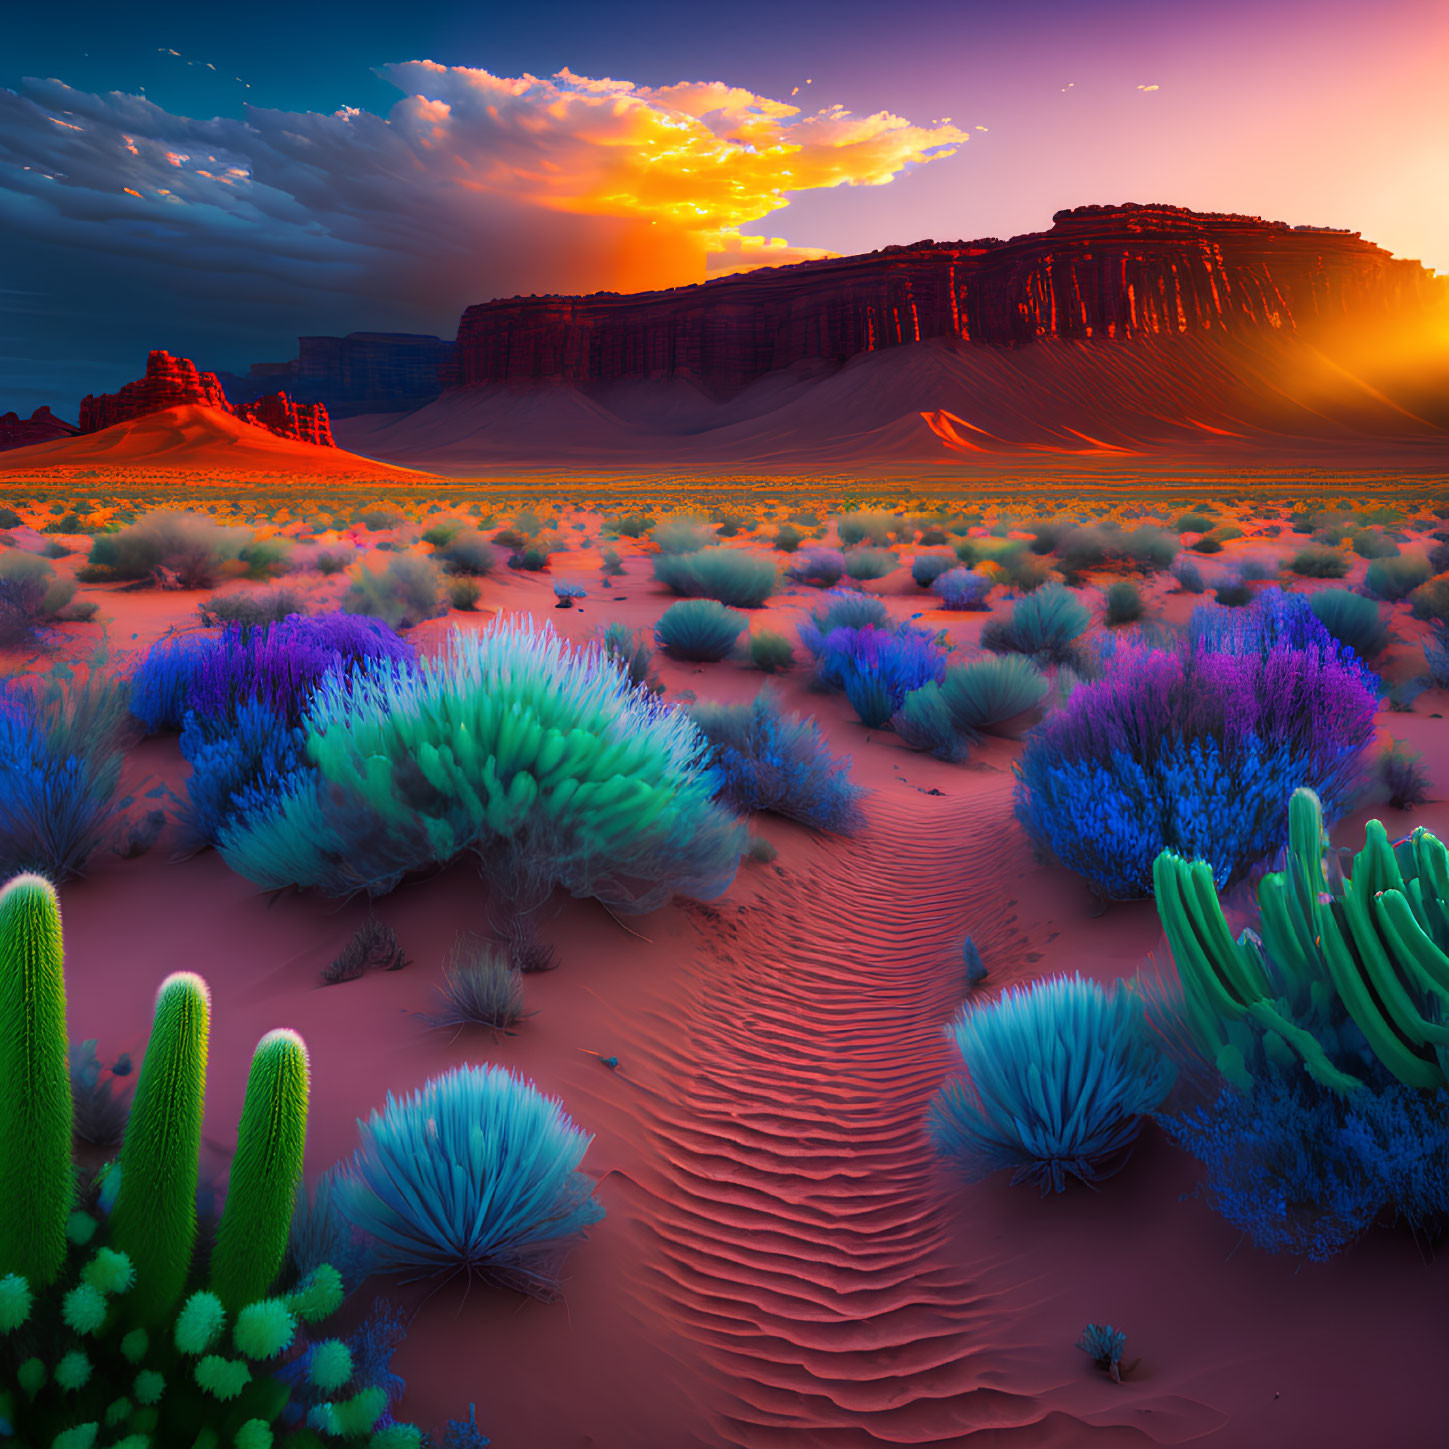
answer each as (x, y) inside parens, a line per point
(36, 1110)
(251, 1239)
(1376, 942)
(154, 1218)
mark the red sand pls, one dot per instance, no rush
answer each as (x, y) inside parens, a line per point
(781, 1263)
(197, 439)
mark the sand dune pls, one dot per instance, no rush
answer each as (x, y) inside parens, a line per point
(193, 439)
(935, 403)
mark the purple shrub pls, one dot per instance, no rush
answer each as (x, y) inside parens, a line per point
(277, 665)
(1192, 749)
(877, 668)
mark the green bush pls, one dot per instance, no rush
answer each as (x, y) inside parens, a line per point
(250, 610)
(463, 593)
(466, 551)
(771, 651)
(408, 591)
(1320, 563)
(1370, 543)
(875, 528)
(1430, 600)
(1124, 603)
(173, 550)
(788, 538)
(736, 576)
(554, 771)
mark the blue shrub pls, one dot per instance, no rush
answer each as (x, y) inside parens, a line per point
(1103, 1344)
(1275, 619)
(766, 760)
(246, 758)
(926, 568)
(60, 765)
(877, 668)
(1059, 1076)
(475, 1174)
(842, 609)
(1305, 1171)
(278, 663)
(161, 685)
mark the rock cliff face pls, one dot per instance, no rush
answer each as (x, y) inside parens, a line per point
(363, 372)
(174, 382)
(42, 426)
(1105, 272)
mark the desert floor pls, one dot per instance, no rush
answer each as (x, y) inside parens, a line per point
(782, 1262)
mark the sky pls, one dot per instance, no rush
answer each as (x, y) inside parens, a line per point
(218, 181)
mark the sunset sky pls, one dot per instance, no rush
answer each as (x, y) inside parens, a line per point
(217, 181)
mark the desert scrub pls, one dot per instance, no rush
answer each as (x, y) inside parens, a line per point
(865, 564)
(926, 568)
(876, 668)
(630, 650)
(1352, 620)
(33, 595)
(481, 987)
(1123, 603)
(1045, 626)
(1402, 775)
(62, 744)
(1059, 1076)
(466, 551)
(963, 590)
(1320, 563)
(701, 630)
(992, 695)
(682, 535)
(764, 759)
(269, 606)
(170, 550)
(1197, 747)
(771, 652)
(821, 567)
(407, 592)
(1396, 578)
(475, 1175)
(539, 759)
(740, 577)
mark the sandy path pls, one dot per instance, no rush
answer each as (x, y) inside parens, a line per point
(799, 1233)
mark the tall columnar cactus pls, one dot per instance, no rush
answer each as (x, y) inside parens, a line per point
(154, 1218)
(252, 1237)
(36, 1111)
(1372, 945)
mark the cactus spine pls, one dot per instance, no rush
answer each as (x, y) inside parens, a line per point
(37, 1183)
(252, 1237)
(154, 1218)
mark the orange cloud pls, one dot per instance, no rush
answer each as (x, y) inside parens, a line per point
(698, 160)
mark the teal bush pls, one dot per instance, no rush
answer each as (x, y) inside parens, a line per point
(926, 568)
(864, 564)
(1352, 620)
(540, 759)
(1045, 626)
(701, 630)
(1124, 603)
(770, 651)
(985, 696)
(736, 576)
(683, 535)
(475, 1175)
(1059, 1076)
(1396, 578)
